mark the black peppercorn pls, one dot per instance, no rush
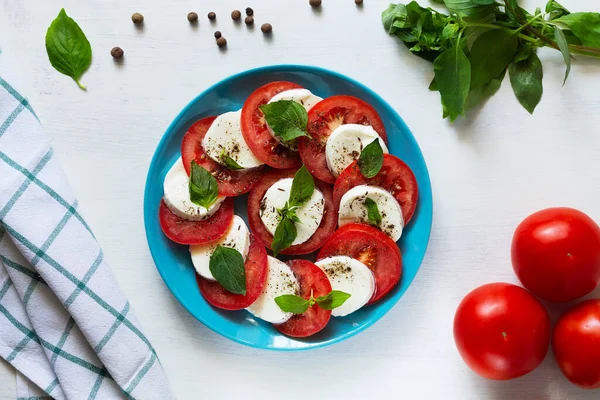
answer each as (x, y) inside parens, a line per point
(358, 2)
(236, 14)
(249, 11)
(315, 3)
(212, 16)
(221, 42)
(117, 52)
(266, 28)
(249, 20)
(137, 18)
(217, 34)
(192, 17)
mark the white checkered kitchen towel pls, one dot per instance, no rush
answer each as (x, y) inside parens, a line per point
(65, 324)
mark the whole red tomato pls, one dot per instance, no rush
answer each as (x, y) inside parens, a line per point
(501, 331)
(576, 344)
(556, 254)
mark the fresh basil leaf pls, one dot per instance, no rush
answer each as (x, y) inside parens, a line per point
(470, 8)
(453, 76)
(561, 41)
(555, 10)
(514, 10)
(371, 159)
(303, 187)
(68, 49)
(284, 236)
(526, 80)
(372, 212)
(204, 189)
(586, 26)
(333, 299)
(227, 266)
(483, 2)
(394, 12)
(481, 94)
(292, 303)
(286, 118)
(230, 162)
(490, 55)
(433, 85)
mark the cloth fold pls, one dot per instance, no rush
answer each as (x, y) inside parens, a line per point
(65, 324)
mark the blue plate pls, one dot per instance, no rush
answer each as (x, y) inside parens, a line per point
(173, 261)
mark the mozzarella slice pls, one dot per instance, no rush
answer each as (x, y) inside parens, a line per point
(177, 195)
(302, 96)
(225, 137)
(280, 280)
(238, 237)
(345, 144)
(353, 209)
(351, 276)
(310, 214)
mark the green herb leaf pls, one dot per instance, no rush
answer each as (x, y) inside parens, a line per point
(334, 299)
(303, 187)
(204, 189)
(490, 55)
(555, 10)
(586, 26)
(526, 80)
(286, 118)
(453, 76)
(391, 14)
(371, 159)
(230, 162)
(292, 303)
(481, 9)
(68, 49)
(433, 86)
(482, 94)
(284, 236)
(227, 266)
(483, 2)
(372, 212)
(561, 40)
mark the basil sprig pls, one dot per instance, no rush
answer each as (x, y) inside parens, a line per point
(68, 49)
(302, 189)
(298, 305)
(286, 118)
(229, 162)
(371, 159)
(227, 267)
(204, 189)
(372, 212)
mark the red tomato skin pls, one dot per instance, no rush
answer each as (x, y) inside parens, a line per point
(556, 254)
(256, 277)
(311, 279)
(576, 344)
(501, 331)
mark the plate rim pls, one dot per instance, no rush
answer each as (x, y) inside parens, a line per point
(272, 69)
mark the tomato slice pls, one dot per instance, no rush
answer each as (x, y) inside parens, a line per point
(313, 281)
(182, 231)
(371, 247)
(256, 132)
(395, 176)
(256, 277)
(323, 118)
(325, 229)
(231, 183)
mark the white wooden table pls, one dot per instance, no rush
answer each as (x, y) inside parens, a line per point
(487, 172)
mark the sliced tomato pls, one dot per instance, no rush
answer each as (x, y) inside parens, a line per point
(313, 281)
(231, 183)
(395, 176)
(256, 277)
(256, 132)
(323, 118)
(371, 247)
(183, 231)
(325, 229)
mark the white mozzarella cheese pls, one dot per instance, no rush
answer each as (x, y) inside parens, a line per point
(177, 195)
(351, 276)
(280, 280)
(225, 137)
(310, 214)
(237, 237)
(303, 96)
(353, 209)
(345, 144)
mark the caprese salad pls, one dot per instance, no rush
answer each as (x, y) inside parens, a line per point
(319, 180)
